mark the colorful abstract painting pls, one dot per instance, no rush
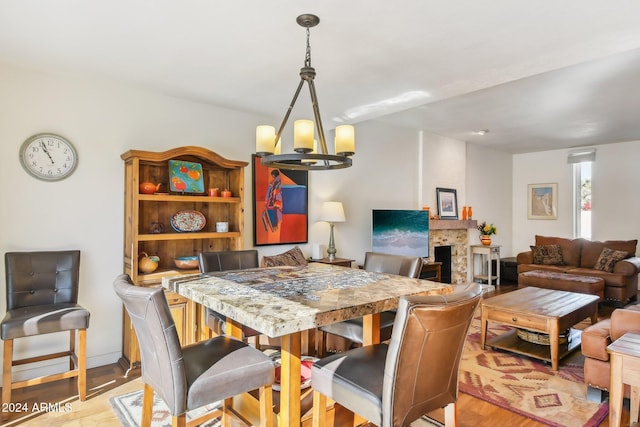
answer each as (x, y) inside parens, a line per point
(279, 205)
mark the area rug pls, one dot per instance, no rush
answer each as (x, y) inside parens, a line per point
(128, 408)
(527, 386)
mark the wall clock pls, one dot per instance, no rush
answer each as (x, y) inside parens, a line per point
(48, 157)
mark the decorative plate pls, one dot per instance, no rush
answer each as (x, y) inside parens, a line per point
(188, 221)
(185, 177)
(306, 362)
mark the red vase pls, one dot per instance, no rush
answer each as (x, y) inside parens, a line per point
(485, 240)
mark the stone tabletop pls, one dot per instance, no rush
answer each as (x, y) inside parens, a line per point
(281, 300)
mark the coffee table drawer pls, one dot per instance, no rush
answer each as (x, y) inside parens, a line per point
(521, 320)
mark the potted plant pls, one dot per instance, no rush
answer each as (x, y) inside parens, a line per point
(486, 230)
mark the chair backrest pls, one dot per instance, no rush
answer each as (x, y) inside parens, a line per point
(161, 355)
(421, 369)
(409, 266)
(41, 278)
(227, 260)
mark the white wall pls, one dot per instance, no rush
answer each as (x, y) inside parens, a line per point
(489, 190)
(616, 204)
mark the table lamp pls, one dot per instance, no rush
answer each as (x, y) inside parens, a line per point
(332, 212)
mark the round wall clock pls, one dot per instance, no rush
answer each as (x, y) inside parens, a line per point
(48, 157)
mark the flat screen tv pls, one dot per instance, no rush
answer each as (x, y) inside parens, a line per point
(400, 232)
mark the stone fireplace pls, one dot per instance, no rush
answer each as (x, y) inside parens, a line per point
(455, 234)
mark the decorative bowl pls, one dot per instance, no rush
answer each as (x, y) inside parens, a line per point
(186, 262)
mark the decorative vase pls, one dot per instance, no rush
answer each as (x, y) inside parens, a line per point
(485, 240)
(469, 213)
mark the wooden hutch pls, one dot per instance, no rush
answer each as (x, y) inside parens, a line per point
(142, 234)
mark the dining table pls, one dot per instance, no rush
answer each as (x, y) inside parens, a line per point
(288, 301)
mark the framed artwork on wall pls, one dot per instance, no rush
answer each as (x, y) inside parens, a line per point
(542, 201)
(279, 205)
(447, 203)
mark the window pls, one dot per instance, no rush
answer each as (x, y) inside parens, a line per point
(582, 199)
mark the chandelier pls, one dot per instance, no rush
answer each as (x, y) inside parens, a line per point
(306, 156)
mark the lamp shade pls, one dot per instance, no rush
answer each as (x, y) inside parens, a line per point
(332, 212)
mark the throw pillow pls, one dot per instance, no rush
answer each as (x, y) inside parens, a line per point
(547, 254)
(608, 258)
(293, 256)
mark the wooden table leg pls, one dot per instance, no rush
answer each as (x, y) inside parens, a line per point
(554, 344)
(290, 381)
(233, 329)
(484, 319)
(634, 403)
(615, 392)
(371, 329)
(594, 316)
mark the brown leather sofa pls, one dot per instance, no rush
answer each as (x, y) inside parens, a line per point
(580, 256)
(595, 340)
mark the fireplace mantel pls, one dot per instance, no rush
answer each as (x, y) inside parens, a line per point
(452, 224)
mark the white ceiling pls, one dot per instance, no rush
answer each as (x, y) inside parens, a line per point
(539, 75)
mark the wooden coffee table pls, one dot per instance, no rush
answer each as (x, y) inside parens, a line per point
(541, 310)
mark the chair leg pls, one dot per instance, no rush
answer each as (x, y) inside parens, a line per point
(179, 421)
(6, 375)
(319, 409)
(266, 406)
(82, 364)
(147, 406)
(225, 419)
(72, 349)
(451, 415)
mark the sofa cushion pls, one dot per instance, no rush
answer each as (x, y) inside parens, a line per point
(571, 248)
(293, 256)
(608, 258)
(591, 250)
(547, 254)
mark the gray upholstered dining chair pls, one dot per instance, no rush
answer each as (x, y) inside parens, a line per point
(42, 298)
(409, 266)
(202, 373)
(391, 385)
(222, 261)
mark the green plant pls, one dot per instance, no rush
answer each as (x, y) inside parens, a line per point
(487, 229)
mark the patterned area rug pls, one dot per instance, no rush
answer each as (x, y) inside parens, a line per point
(527, 386)
(128, 408)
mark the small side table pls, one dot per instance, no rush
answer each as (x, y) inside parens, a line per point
(491, 253)
(625, 357)
(343, 262)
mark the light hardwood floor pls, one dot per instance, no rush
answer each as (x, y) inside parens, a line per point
(108, 381)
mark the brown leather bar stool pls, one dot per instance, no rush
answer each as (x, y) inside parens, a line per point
(393, 384)
(190, 377)
(42, 298)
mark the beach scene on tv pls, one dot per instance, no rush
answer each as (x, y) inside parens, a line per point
(400, 232)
